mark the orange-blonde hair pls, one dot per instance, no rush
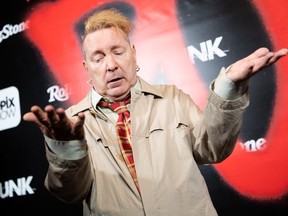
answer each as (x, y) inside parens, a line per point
(107, 19)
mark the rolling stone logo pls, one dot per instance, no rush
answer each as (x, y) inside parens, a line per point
(167, 46)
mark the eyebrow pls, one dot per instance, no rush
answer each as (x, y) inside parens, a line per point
(112, 48)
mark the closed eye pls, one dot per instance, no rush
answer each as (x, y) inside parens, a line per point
(98, 58)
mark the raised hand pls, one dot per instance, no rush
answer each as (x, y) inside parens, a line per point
(247, 67)
(55, 124)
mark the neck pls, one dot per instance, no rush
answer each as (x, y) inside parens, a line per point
(121, 98)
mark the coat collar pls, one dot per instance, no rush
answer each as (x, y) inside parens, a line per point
(86, 102)
(147, 88)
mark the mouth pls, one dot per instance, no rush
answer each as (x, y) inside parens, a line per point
(114, 83)
(114, 80)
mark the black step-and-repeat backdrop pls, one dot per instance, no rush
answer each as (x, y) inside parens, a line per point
(184, 42)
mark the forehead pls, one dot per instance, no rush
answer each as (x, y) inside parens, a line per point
(105, 39)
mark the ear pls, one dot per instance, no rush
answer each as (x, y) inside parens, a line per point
(133, 49)
(85, 65)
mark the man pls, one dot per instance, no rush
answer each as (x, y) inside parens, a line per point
(90, 160)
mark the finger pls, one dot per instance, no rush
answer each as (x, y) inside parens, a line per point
(63, 119)
(257, 54)
(79, 122)
(52, 116)
(73, 125)
(247, 67)
(269, 59)
(261, 52)
(29, 117)
(39, 114)
(277, 55)
(78, 129)
(32, 117)
(261, 62)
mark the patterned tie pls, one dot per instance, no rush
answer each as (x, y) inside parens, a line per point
(123, 132)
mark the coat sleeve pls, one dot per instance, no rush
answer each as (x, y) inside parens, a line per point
(68, 180)
(216, 131)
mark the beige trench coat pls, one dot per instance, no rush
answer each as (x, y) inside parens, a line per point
(170, 136)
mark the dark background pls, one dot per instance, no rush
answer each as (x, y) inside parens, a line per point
(22, 149)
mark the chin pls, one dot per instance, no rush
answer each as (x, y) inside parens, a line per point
(119, 95)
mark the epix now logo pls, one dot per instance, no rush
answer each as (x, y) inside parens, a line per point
(10, 114)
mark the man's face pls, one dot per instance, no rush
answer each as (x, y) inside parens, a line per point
(110, 62)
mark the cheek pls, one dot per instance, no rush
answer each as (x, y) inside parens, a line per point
(130, 68)
(99, 85)
(98, 78)
(95, 73)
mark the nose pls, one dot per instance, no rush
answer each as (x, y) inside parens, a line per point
(111, 64)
